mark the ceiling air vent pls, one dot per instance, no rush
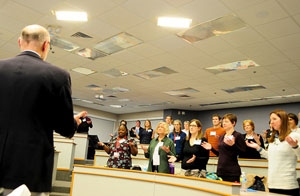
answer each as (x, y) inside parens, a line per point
(184, 97)
(161, 71)
(81, 35)
(244, 88)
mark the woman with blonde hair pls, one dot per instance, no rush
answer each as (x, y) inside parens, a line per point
(161, 150)
(250, 135)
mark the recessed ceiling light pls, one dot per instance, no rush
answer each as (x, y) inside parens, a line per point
(174, 22)
(233, 66)
(216, 27)
(83, 70)
(71, 16)
(115, 73)
(63, 43)
(117, 43)
(244, 88)
(115, 106)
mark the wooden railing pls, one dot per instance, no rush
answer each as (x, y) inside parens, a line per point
(93, 180)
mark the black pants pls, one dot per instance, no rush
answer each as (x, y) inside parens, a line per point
(230, 178)
(154, 168)
(294, 192)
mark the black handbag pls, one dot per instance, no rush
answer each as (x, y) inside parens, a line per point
(258, 184)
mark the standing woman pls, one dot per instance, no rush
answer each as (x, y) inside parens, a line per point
(194, 157)
(283, 153)
(250, 135)
(145, 135)
(178, 137)
(120, 149)
(293, 122)
(230, 146)
(160, 149)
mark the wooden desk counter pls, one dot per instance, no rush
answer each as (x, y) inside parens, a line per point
(91, 180)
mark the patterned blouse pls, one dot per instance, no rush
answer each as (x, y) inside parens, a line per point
(120, 154)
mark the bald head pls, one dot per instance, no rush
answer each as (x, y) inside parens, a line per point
(36, 38)
(35, 33)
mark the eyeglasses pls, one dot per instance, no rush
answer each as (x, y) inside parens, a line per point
(193, 126)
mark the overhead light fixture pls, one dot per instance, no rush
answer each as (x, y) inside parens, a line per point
(117, 43)
(115, 106)
(71, 16)
(216, 27)
(234, 66)
(63, 43)
(83, 70)
(174, 22)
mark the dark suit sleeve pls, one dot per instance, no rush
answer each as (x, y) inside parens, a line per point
(65, 117)
(131, 133)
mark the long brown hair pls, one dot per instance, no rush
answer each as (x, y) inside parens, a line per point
(150, 126)
(179, 122)
(199, 124)
(284, 127)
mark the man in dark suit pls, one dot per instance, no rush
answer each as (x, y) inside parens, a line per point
(134, 131)
(35, 100)
(85, 125)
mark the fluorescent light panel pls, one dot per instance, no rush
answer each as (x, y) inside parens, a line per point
(117, 43)
(71, 16)
(83, 70)
(216, 27)
(174, 22)
(234, 66)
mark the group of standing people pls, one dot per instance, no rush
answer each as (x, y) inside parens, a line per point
(222, 140)
(143, 134)
(282, 153)
(25, 122)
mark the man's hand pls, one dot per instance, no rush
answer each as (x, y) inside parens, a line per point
(77, 117)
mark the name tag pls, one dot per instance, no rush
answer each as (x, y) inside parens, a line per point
(122, 140)
(116, 154)
(197, 142)
(177, 138)
(213, 133)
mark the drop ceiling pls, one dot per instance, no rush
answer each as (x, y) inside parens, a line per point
(163, 70)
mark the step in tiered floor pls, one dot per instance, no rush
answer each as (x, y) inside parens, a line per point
(62, 184)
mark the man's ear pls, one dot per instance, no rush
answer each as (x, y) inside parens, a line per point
(45, 46)
(19, 42)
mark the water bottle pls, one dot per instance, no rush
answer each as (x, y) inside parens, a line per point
(172, 168)
(243, 181)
